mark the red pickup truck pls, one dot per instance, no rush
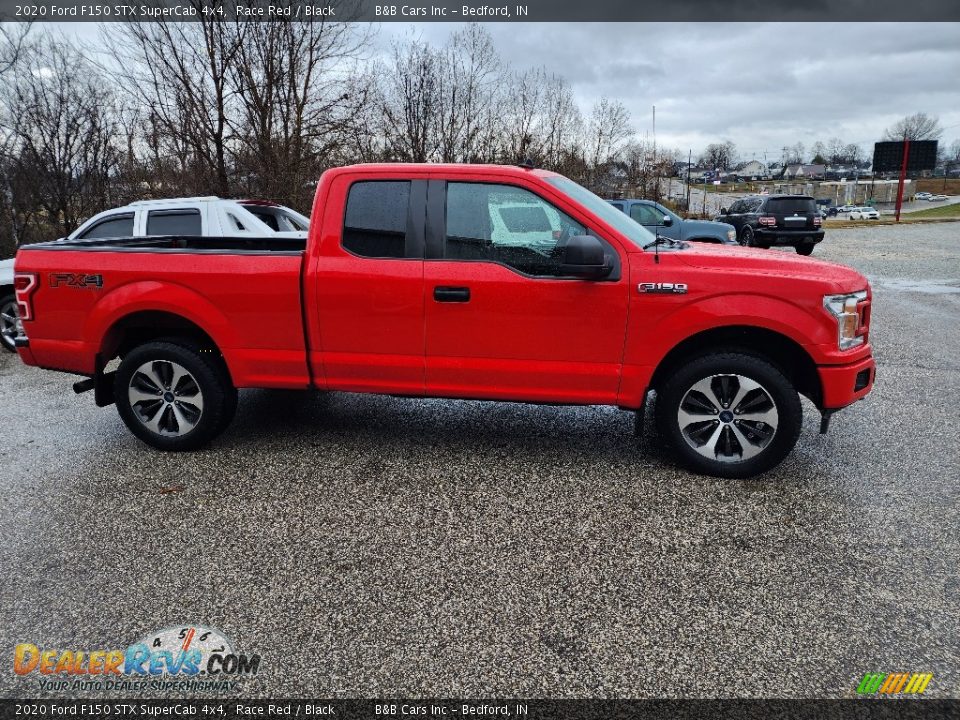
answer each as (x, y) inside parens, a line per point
(456, 281)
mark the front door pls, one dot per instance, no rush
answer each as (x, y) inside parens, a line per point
(500, 321)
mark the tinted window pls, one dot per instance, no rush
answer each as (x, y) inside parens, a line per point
(116, 226)
(174, 222)
(789, 205)
(375, 222)
(646, 214)
(507, 225)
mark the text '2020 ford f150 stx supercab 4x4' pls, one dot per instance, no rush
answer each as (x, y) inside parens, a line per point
(456, 281)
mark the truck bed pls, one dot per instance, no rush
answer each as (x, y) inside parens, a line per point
(244, 292)
(174, 243)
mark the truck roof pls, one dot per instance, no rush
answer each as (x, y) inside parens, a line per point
(446, 168)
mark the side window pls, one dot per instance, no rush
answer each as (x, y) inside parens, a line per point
(646, 214)
(116, 226)
(618, 206)
(174, 222)
(753, 206)
(736, 208)
(375, 221)
(507, 225)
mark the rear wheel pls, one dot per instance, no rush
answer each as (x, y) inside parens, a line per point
(9, 324)
(729, 415)
(805, 249)
(172, 397)
(746, 237)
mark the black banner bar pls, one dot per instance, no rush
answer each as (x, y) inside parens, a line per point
(516, 709)
(812, 11)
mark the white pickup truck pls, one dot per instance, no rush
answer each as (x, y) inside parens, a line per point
(204, 216)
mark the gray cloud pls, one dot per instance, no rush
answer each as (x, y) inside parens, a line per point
(761, 85)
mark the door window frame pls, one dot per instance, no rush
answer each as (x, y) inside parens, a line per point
(414, 243)
(436, 231)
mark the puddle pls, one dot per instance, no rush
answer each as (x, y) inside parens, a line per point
(930, 287)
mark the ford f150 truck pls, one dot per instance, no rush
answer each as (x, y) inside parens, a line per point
(456, 281)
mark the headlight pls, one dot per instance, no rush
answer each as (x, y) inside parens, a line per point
(844, 309)
(731, 234)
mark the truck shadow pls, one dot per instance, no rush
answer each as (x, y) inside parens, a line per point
(388, 425)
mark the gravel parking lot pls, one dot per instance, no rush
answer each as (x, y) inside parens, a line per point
(373, 546)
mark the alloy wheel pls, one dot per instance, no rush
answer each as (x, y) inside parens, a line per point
(165, 398)
(728, 418)
(9, 323)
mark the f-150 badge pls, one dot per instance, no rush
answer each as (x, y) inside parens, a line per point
(663, 288)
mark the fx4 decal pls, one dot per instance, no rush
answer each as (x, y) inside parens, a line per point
(75, 280)
(663, 288)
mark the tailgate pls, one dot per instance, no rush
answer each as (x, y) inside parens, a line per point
(793, 213)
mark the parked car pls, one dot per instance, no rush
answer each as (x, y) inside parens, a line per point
(921, 196)
(864, 213)
(651, 215)
(767, 220)
(197, 216)
(832, 212)
(937, 198)
(9, 324)
(846, 208)
(402, 288)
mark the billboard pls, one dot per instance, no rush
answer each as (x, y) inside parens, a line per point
(888, 156)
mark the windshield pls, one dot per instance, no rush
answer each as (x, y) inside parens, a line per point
(633, 231)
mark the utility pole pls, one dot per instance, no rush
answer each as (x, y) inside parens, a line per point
(689, 167)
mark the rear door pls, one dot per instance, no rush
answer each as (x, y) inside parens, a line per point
(174, 221)
(792, 213)
(501, 323)
(368, 294)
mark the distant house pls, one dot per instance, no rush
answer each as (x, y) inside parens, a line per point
(754, 169)
(805, 172)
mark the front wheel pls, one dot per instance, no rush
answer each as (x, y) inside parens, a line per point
(9, 324)
(172, 397)
(729, 415)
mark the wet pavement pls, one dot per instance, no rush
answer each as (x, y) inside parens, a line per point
(370, 546)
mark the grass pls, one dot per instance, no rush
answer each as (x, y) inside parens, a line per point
(942, 211)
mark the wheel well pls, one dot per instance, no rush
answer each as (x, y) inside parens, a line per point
(143, 327)
(789, 357)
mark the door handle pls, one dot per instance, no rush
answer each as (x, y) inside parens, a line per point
(451, 294)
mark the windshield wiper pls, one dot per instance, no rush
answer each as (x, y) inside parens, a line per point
(662, 240)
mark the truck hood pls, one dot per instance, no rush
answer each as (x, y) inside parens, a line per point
(704, 228)
(776, 263)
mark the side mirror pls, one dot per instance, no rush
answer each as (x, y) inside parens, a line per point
(585, 257)
(723, 211)
(667, 221)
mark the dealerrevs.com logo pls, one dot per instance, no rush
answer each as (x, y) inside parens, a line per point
(894, 683)
(189, 657)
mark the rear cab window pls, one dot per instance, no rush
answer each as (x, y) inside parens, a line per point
(376, 219)
(174, 222)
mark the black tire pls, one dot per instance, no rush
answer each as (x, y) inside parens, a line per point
(746, 236)
(157, 423)
(775, 392)
(8, 309)
(805, 249)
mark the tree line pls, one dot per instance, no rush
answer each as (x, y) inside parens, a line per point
(262, 109)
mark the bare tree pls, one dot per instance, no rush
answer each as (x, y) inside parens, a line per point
(719, 156)
(63, 132)
(293, 103)
(180, 73)
(407, 99)
(918, 126)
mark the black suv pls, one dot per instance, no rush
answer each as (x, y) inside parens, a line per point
(765, 220)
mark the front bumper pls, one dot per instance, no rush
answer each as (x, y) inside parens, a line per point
(845, 384)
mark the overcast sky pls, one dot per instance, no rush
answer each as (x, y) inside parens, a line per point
(762, 86)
